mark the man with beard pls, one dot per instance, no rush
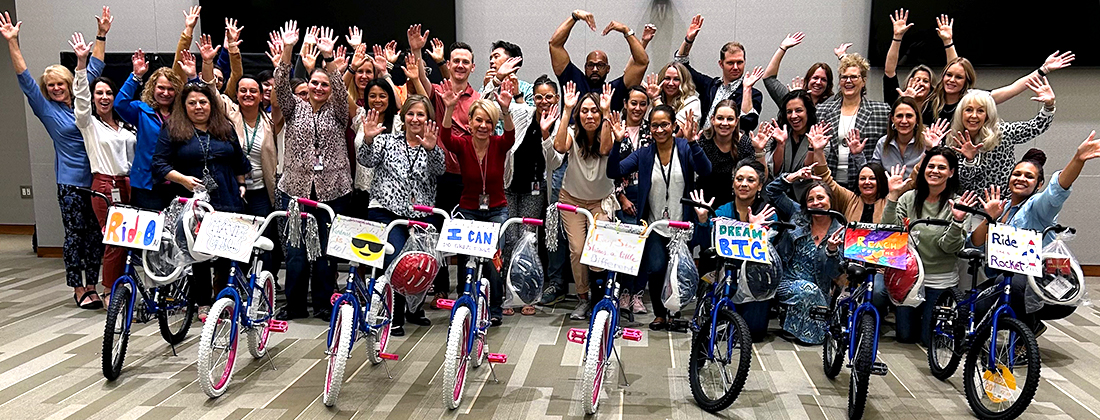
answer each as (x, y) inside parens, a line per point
(714, 89)
(596, 67)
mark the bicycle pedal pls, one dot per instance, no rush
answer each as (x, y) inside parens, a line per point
(497, 358)
(577, 335)
(678, 325)
(444, 303)
(277, 326)
(819, 313)
(632, 334)
(332, 300)
(388, 356)
(879, 369)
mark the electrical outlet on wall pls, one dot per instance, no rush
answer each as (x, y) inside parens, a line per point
(25, 191)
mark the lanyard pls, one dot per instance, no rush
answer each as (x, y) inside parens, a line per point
(252, 137)
(481, 166)
(667, 176)
(204, 143)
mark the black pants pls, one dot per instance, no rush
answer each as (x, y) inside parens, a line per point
(203, 287)
(448, 191)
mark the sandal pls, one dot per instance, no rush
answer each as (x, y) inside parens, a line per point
(528, 310)
(106, 298)
(495, 321)
(89, 304)
(508, 311)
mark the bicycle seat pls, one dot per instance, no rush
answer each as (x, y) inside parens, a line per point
(264, 244)
(708, 253)
(971, 254)
(856, 271)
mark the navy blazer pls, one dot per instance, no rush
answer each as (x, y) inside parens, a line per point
(693, 161)
(707, 88)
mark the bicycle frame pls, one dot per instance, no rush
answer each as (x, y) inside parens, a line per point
(858, 304)
(610, 302)
(359, 295)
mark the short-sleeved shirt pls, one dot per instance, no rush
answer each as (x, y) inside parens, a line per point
(584, 85)
(460, 118)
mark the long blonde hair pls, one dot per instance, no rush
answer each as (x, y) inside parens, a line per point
(990, 133)
(687, 86)
(151, 85)
(59, 71)
(939, 95)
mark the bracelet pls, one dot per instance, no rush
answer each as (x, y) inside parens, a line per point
(575, 17)
(949, 45)
(1041, 72)
(896, 39)
(688, 40)
(784, 49)
(630, 33)
(761, 154)
(101, 38)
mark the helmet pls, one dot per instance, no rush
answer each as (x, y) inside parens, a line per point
(525, 278)
(1061, 281)
(905, 285)
(761, 279)
(413, 272)
(187, 229)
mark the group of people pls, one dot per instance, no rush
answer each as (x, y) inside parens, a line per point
(344, 133)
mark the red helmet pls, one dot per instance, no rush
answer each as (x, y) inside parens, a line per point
(904, 286)
(413, 272)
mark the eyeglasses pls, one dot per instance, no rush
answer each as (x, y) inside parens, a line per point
(662, 126)
(541, 97)
(847, 78)
(594, 65)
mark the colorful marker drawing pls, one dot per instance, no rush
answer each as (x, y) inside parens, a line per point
(878, 247)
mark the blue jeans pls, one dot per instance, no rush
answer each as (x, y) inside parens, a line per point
(913, 322)
(397, 237)
(496, 284)
(298, 269)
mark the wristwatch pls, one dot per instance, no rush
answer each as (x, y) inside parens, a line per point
(630, 33)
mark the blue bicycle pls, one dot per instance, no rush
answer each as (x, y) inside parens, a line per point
(994, 367)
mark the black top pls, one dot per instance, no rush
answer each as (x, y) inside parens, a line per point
(868, 215)
(225, 159)
(528, 163)
(584, 85)
(719, 184)
(947, 113)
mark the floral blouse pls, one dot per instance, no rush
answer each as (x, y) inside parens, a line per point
(316, 155)
(403, 175)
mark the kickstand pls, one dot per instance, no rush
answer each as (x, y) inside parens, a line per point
(173, 350)
(492, 371)
(622, 369)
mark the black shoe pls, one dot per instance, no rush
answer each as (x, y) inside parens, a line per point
(418, 319)
(397, 331)
(495, 321)
(286, 315)
(324, 314)
(658, 324)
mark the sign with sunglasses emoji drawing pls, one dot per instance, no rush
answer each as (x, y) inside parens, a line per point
(358, 241)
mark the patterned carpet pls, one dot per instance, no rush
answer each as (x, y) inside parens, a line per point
(50, 369)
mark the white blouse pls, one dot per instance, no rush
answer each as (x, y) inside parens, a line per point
(110, 151)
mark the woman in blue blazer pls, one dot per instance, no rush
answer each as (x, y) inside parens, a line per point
(667, 170)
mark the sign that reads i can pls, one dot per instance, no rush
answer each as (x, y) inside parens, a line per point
(469, 237)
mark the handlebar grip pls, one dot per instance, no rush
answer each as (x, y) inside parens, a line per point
(692, 203)
(567, 207)
(933, 222)
(781, 225)
(305, 215)
(423, 209)
(307, 202)
(184, 200)
(418, 224)
(679, 225)
(532, 222)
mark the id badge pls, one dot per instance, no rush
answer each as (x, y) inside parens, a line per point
(535, 188)
(116, 195)
(249, 181)
(483, 202)
(664, 214)
(318, 164)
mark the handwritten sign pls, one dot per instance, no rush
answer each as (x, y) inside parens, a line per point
(357, 240)
(1014, 250)
(879, 247)
(133, 228)
(228, 235)
(738, 240)
(469, 237)
(619, 250)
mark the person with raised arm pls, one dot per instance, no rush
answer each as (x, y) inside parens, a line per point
(906, 138)
(919, 83)
(986, 143)
(731, 59)
(596, 66)
(505, 60)
(818, 80)
(851, 115)
(51, 100)
(316, 165)
(790, 149)
(674, 89)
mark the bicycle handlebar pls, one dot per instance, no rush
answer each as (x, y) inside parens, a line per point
(933, 222)
(675, 224)
(974, 210)
(692, 203)
(831, 213)
(317, 205)
(575, 209)
(430, 210)
(1059, 229)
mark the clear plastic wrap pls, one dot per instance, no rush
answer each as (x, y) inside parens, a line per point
(801, 296)
(758, 282)
(681, 276)
(181, 223)
(412, 272)
(906, 287)
(1063, 282)
(525, 276)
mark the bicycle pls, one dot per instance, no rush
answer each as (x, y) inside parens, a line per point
(249, 305)
(166, 300)
(853, 327)
(466, 333)
(718, 331)
(993, 379)
(363, 311)
(603, 327)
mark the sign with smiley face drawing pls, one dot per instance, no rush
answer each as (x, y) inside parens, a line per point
(357, 240)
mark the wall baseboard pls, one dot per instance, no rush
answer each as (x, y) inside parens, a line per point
(1092, 270)
(16, 229)
(50, 252)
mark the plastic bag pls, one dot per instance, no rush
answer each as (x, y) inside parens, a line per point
(1063, 282)
(681, 276)
(181, 226)
(758, 282)
(906, 287)
(525, 276)
(414, 269)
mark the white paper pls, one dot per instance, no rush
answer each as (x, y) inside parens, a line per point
(613, 250)
(228, 235)
(133, 228)
(469, 237)
(357, 240)
(1014, 250)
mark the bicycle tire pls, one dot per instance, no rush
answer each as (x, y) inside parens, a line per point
(595, 361)
(116, 333)
(454, 365)
(263, 304)
(941, 345)
(222, 317)
(169, 299)
(481, 346)
(976, 393)
(835, 347)
(861, 366)
(698, 360)
(338, 352)
(381, 310)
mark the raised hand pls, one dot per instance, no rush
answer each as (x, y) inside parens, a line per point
(391, 51)
(899, 19)
(207, 49)
(7, 29)
(311, 35)
(372, 126)
(309, 55)
(855, 144)
(232, 35)
(993, 204)
(326, 42)
(1089, 149)
(752, 78)
(379, 60)
(416, 38)
(354, 36)
(430, 137)
(896, 180)
(615, 26)
(648, 32)
(698, 197)
(340, 59)
(1058, 61)
(933, 135)
(587, 18)
(510, 66)
(817, 136)
(81, 49)
(780, 134)
(763, 134)
(191, 16)
(140, 65)
(411, 68)
(762, 217)
(104, 21)
(290, 33)
(945, 28)
(969, 199)
(1043, 92)
(437, 52)
(187, 63)
(842, 49)
(274, 48)
(570, 95)
(694, 27)
(913, 89)
(450, 98)
(689, 129)
(966, 147)
(618, 129)
(605, 97)
(504, 98)
(549, 116)
(359, 56)
(792, 40)
(836, 240)
(797, 83)
(652, 87)
(807, 172)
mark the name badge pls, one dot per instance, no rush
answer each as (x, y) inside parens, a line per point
(319, 164)
(483, 202)
(535, 188)
(116, 195)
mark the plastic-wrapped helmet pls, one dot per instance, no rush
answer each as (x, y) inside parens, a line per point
(525, 276)
(1061, 283)
(762, 279)
(413, 272)
(187, 229)
(904, 286)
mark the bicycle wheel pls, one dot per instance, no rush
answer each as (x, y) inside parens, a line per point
(218, 348)
(948, 335)
(454, 366)
(263, 302)
(716, 383)
(481, 347)
(176, 312)
(836, 340)
(116, 333)
(861, 366)
(338, 352)
(1001, 394)
(595, 360)
(381, 309)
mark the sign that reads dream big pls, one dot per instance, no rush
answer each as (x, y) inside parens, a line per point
(469, 237)
(738, 240)
(357, 240)
(228, 235)
(615, 249)
(133, 228)
(1014, 250)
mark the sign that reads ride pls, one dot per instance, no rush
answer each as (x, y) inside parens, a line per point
(133, 228)
(357, 240)
(228, 235)
(1014, 250)
(738, 240)
(614, 247)
(469, 237)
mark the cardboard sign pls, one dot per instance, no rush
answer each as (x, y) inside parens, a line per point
(878, 247)
(469, 237)
(1014, 250)
(614, 249)
(739, 240)
(357, 241)
(228, 235)
(133, 228)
